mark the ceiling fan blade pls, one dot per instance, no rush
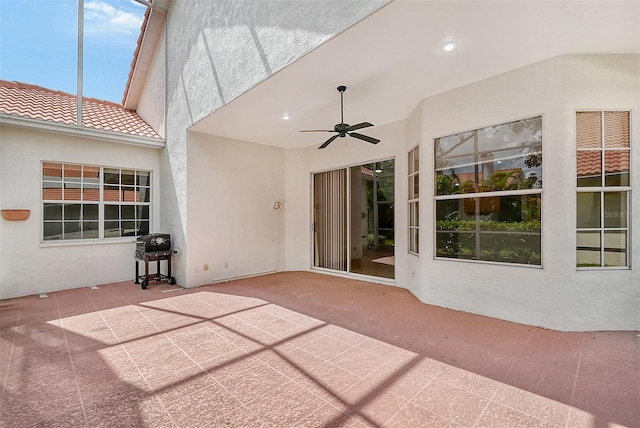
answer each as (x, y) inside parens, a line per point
(318, 130)
(364, 138)
(359, 126)
(329, 141)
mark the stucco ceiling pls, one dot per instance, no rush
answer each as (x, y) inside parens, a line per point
(391, 60)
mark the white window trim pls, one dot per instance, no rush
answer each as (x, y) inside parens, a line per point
(101, 239)
(411, 174)
(607, 189)
(536, 191)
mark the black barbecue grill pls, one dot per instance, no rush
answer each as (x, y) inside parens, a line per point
(155, 247)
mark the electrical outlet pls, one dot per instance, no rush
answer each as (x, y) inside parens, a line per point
(226, 265)
(206, 266)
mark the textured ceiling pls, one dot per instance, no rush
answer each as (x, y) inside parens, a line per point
(391, 60)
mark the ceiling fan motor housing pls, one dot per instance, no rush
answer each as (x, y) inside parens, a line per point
(341, 128)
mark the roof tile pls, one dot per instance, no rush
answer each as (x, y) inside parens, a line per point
(615, 161)
(35, 102)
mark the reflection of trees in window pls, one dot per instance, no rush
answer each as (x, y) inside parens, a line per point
(488, 193)
(380, 198)
(501, 157)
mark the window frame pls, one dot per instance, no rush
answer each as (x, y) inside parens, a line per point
(101, 203)
(623, 191)
(413, 202)
(488, 195)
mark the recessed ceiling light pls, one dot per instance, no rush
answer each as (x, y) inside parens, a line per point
(285, 116)
(448, 46)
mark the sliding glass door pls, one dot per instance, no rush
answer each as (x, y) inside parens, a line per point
(353, 219)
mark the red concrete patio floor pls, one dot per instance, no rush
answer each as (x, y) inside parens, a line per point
(299, 350)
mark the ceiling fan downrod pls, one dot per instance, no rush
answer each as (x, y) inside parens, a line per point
(341, 89)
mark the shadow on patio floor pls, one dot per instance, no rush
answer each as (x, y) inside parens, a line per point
(299, 349)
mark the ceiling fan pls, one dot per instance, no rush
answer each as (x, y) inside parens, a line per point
(344, 129)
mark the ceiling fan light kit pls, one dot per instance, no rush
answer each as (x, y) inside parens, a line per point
(343, 129)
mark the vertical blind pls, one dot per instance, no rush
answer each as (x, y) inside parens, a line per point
(330, 219)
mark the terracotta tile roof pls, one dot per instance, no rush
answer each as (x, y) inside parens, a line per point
(35, 102)
(590, 162)
(589, 130)
(55, 194)
(616, 129)
(589, 136)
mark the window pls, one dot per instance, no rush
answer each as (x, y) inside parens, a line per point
(92, 202)
(603, 187)
(488, 193)
(414, 200)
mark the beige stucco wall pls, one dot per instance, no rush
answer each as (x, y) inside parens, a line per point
(215, 52)
(30, 266)
(555, 296)
(223, 203)
(216, 195)
(232, 187)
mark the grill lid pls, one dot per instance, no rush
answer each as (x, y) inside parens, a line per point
(154, 242)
